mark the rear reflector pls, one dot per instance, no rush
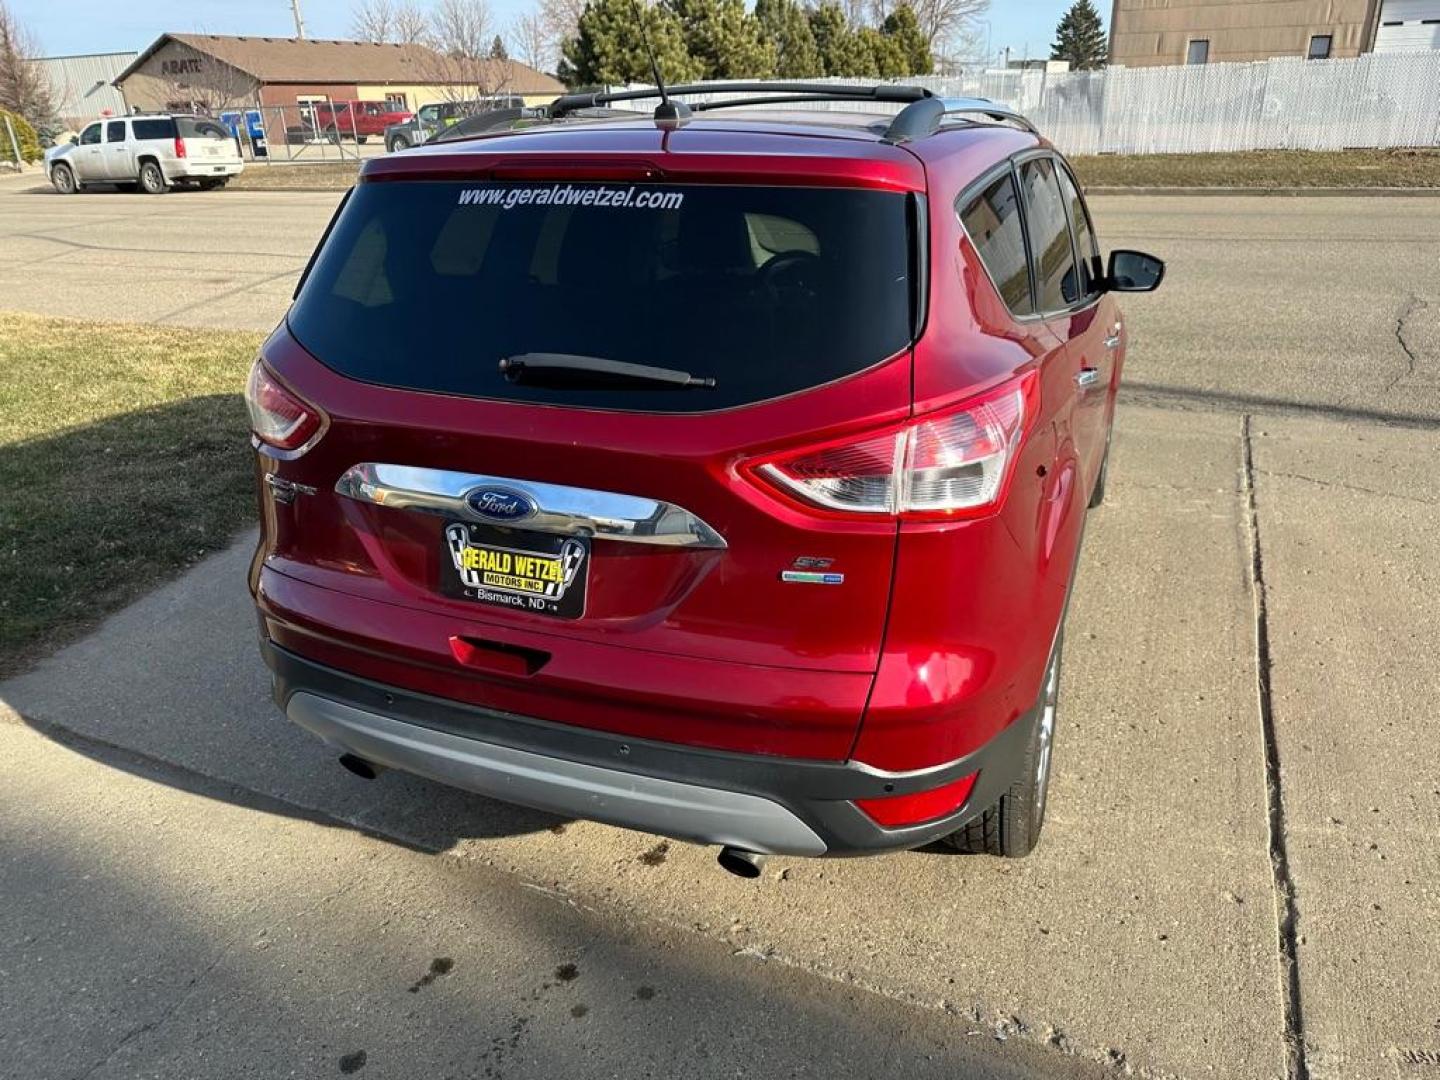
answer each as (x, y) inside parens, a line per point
(953, 463)
(278, 417)
(895, 811)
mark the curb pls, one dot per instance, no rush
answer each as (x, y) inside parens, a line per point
(1290, 192)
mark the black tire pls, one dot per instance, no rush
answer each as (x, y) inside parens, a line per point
(1011, 828)
(152, 180)
(399, 142)
(63, 179)
(361, 138)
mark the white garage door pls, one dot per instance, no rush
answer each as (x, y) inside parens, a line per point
(1408, 26)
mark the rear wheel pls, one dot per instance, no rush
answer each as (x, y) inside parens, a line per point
(399, 142)
(152, 180)
(64, 179)
(361, 138)
(1011, 828)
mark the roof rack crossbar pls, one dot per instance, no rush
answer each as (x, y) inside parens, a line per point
(926, 116)
(776, 93)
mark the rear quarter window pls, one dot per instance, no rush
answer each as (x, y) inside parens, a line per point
(428, 285)
(992, 221)
(201, 129)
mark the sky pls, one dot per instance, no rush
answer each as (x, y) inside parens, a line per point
(64, 27)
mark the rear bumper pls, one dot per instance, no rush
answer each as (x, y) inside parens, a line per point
(200, 169)
(757, 802)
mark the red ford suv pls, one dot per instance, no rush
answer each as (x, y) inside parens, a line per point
(719, 473)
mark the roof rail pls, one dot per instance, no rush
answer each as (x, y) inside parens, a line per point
(927, 115)
(774, 93)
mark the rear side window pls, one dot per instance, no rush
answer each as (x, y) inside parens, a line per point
(428, 285)
(1055, 275)
(115, 131)
(153, 129)
(992, 220)
(191, 128)
(1085, 242)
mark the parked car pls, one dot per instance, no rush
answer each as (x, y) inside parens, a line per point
(358, 120)
(490, 120)
(151, 152)
(430, 120)
(742, 504)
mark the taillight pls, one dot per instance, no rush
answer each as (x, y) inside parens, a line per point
(948, 464)
(281, 421)
(179, 146)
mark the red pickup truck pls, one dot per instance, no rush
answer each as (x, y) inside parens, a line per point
(356, 120)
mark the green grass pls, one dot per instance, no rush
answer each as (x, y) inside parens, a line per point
(1264, 169)
(124, 458)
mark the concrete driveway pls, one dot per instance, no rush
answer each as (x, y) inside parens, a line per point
(1239, 876)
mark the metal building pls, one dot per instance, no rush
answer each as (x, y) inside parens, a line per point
(84, 85)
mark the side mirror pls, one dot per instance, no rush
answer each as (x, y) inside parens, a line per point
(1133, 271)
(74, 140)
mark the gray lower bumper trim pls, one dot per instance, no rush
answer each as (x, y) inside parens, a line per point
(686, 811)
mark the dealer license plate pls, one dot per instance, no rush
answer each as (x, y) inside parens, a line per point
(542, 573)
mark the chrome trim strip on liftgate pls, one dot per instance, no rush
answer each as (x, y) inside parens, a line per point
(558, 509)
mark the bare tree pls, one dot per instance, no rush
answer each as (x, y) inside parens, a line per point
(530, 42)
(561, 22)
(372, 20)
(24, 89)
(945, 22)
(388, 21)
(460, 36)
(409, 24)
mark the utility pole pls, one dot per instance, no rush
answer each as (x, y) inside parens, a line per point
(299, 19)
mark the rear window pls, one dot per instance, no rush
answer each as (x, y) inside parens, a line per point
(191, 128)
(153, 129)
(428, 285)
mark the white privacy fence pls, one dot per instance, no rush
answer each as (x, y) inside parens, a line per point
(1375, 100)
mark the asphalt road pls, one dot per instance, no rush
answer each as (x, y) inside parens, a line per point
(1239, 876)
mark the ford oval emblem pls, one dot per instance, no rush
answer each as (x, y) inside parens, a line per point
(500, 503)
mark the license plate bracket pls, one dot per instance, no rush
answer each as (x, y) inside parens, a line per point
(534, 572)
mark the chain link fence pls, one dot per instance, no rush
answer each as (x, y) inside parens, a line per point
(307, 132)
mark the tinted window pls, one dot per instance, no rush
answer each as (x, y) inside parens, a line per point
(154, 129)
(90, 135)
(992, 219)
(1085, 242)
(192, 128)
(1055, 278)
(115, 131)
(766, 290)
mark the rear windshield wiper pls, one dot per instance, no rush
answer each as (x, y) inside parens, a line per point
(561, 369)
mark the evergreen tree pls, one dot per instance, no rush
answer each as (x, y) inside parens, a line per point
(842, 51)
(497, 49)
(783, 24)
(607, 49)
(724, 39)
(886, 54)
(903, 26)
(1080, 38)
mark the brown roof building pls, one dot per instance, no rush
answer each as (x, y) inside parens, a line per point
(215, 72)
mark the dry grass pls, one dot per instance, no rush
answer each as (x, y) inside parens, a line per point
(123, 459)
(1265, 169)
